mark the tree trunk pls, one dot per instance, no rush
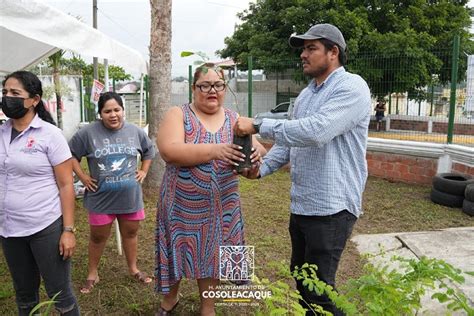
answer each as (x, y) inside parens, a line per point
(57, 90)
(160, 79)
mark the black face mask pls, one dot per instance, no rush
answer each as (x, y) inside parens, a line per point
(14, 107)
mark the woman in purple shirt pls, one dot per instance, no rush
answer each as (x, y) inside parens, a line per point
(36, 197)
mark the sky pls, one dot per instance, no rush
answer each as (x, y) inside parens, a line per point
(198, 25)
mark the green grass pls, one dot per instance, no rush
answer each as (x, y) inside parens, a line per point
(388, 207)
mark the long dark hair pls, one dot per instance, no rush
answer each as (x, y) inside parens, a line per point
(33, 86)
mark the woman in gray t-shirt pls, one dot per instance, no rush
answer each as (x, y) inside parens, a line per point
(113, 185)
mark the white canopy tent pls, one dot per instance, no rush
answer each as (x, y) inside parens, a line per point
(30, 31)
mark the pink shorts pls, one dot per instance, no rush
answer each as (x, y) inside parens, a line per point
(97, 219)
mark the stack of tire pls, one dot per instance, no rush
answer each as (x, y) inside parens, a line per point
(454, 190)
(468, 204)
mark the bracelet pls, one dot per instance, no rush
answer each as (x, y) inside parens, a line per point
(69, 229)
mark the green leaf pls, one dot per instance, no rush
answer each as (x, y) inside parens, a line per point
(48, 303)
(441, 297)
(186, 53)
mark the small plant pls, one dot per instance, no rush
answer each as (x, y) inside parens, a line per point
(131, 304)
(48, 304)
(204, 59)
(390, 292)
(283, 298)
(201, 63)
(379, 291)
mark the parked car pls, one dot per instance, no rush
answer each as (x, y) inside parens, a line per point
(280, 112)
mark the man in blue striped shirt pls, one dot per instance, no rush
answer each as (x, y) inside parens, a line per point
(325, 143)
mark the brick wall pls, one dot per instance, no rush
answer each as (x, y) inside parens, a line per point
(409, 125)
(373, 125)
(422, 126)
(459, 129)
(457, 167)
(401, 168)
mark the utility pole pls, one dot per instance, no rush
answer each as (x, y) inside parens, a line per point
(94, 25)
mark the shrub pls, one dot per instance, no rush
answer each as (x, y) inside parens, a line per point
(379, 291)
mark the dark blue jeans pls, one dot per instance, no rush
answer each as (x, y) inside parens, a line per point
(319, 240)
(37, 255)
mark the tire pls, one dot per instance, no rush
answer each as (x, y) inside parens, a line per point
(469, 193)
(452, 183)
(468, 207)
(446, 199)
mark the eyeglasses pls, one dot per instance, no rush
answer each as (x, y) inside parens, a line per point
(206, 87)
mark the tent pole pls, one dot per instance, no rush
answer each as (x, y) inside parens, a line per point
(106, 75)
(118, 237)
(141, 101)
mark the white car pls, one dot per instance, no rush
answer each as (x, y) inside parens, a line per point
(280, 112)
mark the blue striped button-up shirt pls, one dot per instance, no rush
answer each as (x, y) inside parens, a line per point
(325, 143)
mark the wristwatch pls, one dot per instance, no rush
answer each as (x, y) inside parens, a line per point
(69, 229)
(257, 122)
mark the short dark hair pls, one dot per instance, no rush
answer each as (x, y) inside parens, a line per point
(33, 86)
(328, 44)
(106, 96)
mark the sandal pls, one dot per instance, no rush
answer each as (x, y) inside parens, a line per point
(89, 285)
(142, 277)
(164, 312)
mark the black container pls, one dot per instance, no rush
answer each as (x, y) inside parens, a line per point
(246, 143)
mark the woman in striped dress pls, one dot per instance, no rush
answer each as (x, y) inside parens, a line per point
(199, 205)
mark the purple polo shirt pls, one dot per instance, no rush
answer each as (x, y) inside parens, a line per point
(29, 194)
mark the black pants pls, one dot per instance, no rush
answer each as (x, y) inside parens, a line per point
(319, 240)
(37, 255)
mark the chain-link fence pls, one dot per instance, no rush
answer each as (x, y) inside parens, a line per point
(415, 86)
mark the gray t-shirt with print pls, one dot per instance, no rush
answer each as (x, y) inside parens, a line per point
(112, 160)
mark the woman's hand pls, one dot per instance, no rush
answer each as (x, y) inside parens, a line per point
(140, 176)
(89, 182)
(229, 153)
(254, 171)
(256, 157)
(67, 244)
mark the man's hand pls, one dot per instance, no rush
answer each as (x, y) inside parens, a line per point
(244, 126)
(251, 173)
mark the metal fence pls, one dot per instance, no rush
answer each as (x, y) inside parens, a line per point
(423, 103)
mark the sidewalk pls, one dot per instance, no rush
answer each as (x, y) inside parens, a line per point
(453, 245)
